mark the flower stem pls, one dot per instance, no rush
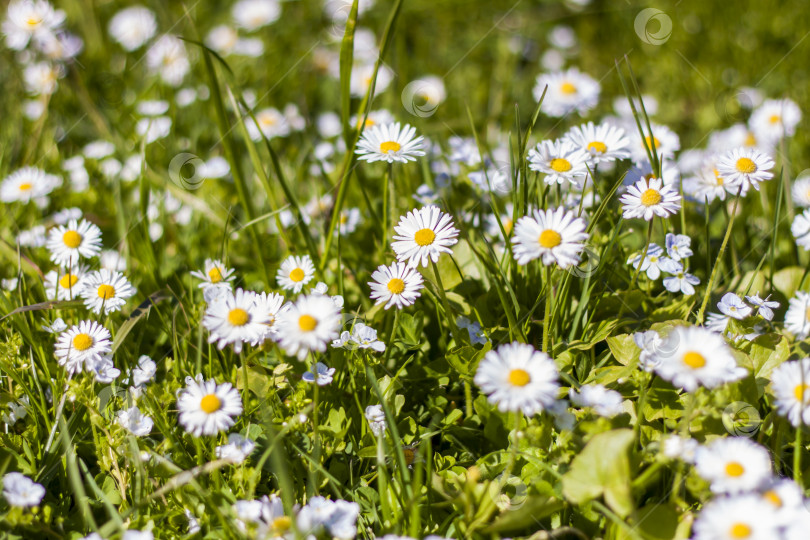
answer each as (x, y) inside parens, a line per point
(547, 315)
(709, 285)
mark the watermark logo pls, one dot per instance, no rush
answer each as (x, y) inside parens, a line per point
(741, 419)
(653, 26)
(186, 170)
(588, 263)
(508, 492)
(422, 97)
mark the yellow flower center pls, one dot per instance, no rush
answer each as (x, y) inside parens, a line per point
(396, 286)
(799, 391)
(215, 275)
(775, 119)
(297, 275)
(25, 186)
(597, 146)
(560, 165)
(238, 317)
(694, 360)
(82, 342)
(807, 314)
(507, 225)
(210, 403)
(519, 377)
(750, 140)
(549, 239)
(746, 165)
(568, 88)
(424, 237)
(651, 197)
(740, 530)
(68, 281)
(72, 239)
(652, 143)
(105, 291)
(281, 524)
(307, 323)
(734, 469)
(719, 178)
(772, 497)
(267, 120)
(33, 21)
(389, 146)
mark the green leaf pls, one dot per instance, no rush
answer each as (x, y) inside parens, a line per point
(658, 522)
(624, 348)
(602, 469)
(786, 281)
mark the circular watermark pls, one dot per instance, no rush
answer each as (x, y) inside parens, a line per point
(508, 492)
(653, 26)
(339, 13)
(588, 263)
(733, 106)
(186, 170)
(422, 97)
(741, 419)
(111, 89)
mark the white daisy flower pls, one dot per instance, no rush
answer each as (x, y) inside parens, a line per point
(26, 184)
(310, 324)
(654, 262)
(396, 285)
(774, 119)
(801, 192)
(745, 166)
(215, 274)
(554, 236)
(678, 246)
(134, 421)
(707, 184)
(133, 27)
(568, 91)
(602, 143)
(764, 307)
(295, 272)
(105, 290)
(664, 142)
(324, 374)
(376, 419)
(516, 377)
(683, 448)
(65, 284)
(254, 14)
(42, 78)
(348, 221)
(272, 305)
(82, 345)
(56, 327)
(390, 142)
(360, 79)
(28, 19)
(423, 235)
(168, 57)
(237, 450)
(732, 305)
(234, 319)
(801, 229)
(692, 356)
(151, 129)
(790, 382)
(207, 408)
(365, 337)
(733, 518)
(785, 498)
(73, 242)
(21, 491)
(734, 465)
(604, 402)
(270, 123)
(560, 161)
(797, 318)
(648, 198)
